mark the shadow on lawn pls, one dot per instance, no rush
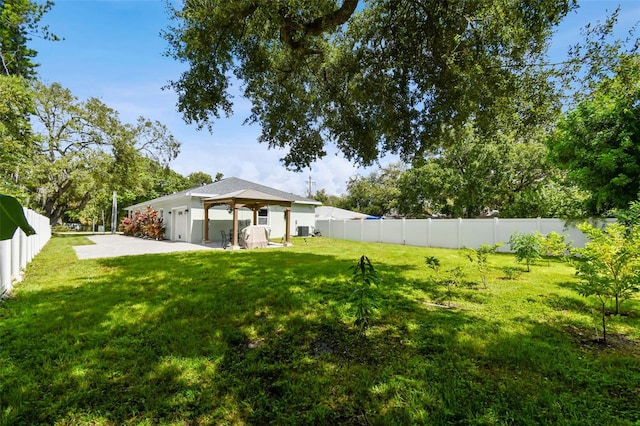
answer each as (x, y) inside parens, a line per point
(253, 337)
(199, 337)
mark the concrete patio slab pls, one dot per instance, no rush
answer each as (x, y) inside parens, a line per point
(114, 245)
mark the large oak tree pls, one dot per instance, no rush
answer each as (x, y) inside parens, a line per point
(372, 77)
(82, 151)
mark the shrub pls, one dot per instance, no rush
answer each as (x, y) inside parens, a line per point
(511, 273)
(144, 224)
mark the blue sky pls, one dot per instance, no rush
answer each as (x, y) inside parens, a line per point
(112, 50)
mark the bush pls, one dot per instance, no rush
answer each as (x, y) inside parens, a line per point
(144, 224)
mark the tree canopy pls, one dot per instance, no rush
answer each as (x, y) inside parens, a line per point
(372, 77)
(19, 21)
(598, 142)
(474, 175)
(16, 141)
(82, 152)
(376, 194)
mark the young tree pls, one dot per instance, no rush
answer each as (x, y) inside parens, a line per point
(610, 262)
(526, 247)
(480, 257)
(387, 77)
(365, 276)
(450, 279)
(553, 245)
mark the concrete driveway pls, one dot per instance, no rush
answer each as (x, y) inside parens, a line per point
(113, 245)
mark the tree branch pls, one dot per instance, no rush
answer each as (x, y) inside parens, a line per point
(333, 19)
(315, 27)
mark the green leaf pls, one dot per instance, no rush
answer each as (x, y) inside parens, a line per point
(12, 217)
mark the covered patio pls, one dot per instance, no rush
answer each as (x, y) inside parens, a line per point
(251, 199)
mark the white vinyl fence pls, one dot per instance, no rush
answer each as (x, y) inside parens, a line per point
(447, 233)
(16, 253)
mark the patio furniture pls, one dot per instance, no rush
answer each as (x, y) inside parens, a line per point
(225, 239)
(255, 236)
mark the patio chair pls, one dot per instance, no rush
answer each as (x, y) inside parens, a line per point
(225, 239)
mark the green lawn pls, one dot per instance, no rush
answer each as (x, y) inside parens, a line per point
(267, 337)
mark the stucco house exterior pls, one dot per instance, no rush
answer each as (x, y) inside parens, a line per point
(183, 213)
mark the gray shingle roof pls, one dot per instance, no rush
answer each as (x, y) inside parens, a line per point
(229, 185)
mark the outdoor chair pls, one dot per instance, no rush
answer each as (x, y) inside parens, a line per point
(225, 239)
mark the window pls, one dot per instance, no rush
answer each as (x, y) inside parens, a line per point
(263, 217)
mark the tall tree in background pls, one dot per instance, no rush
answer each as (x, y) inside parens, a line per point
(16, 137)
(19, 21)
(375, 194)
(198, 179)
(386, 77)
(598, 142)
(473, 175)
(83, 152)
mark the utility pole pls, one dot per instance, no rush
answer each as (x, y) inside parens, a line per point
(310, 183)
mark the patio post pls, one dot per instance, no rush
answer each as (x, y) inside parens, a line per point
(205, 236)
(287, 232)
(234, 240)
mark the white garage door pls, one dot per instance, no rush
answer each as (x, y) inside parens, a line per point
(180, 225)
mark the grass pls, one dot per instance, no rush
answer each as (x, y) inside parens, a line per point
(268, 337)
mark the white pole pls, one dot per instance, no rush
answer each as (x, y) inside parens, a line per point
(114, 213)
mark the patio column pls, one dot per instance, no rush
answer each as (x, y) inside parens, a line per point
(255, 216)
(234, 239)
(287, 232)
(205, 236)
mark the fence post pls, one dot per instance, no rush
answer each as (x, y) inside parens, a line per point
(459, 242)
(403, 233)
(496, 225)
(428, 232)
(23, 250)
(5, 266)
(15, 255)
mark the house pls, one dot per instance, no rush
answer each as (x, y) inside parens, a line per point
(231, 204)
(335, 213)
